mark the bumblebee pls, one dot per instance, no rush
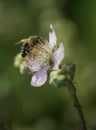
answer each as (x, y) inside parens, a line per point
(30, 43)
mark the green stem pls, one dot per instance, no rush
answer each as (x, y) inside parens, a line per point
(72, 92)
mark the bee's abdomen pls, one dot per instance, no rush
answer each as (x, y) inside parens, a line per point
(37, 40)
(24, 54)
(24, 50)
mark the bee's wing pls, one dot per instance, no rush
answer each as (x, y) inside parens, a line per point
(17, 43)
(20, 42)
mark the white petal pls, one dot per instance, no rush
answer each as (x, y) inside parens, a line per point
(52, 37)
(58, 56)
(39, 78)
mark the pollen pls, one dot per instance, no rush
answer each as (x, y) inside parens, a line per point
(35, 51)
(39, 54)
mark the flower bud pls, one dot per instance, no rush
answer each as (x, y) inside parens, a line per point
(69, 70)
(57, 78)
(18, 60)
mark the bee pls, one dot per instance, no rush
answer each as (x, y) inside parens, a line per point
(29, 44)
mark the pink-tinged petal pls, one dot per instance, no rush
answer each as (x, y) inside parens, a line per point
(58, 56)
(34, 66)
(39, 78)
(52, 37)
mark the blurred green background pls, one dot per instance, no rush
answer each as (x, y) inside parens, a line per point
(23, 107)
